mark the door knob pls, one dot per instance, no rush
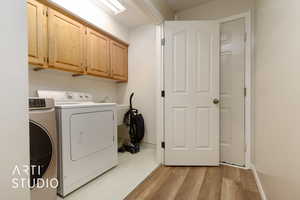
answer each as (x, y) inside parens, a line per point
(216, 101)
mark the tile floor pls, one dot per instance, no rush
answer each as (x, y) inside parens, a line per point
(118, 182)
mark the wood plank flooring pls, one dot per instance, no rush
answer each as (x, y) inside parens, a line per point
(197, 183)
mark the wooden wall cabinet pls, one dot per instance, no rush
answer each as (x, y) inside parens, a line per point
(66, 42)
(119, 61)
(98, 62)
(59, 40)
(37, 32)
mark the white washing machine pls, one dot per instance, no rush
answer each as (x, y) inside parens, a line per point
(87, 134)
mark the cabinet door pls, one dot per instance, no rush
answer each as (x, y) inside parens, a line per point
(36, 19)
(119, 61)
(98, 62)
(66, 42)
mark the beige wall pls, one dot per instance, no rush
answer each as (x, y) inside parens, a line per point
(14, 143)
(141, 80)
(58, 80)
(216, 9)
(277, 132)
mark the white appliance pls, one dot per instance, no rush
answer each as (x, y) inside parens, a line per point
(87, 134)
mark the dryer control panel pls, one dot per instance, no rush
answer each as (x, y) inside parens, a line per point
(65, 96)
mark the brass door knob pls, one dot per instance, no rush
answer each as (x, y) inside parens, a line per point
(216, 101)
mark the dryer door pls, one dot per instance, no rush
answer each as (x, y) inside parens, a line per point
(91, 133)
(40, 152)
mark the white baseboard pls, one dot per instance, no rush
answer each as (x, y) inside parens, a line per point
(258, 183)
(148, 145)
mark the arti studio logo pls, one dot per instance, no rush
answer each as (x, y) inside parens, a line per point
(35, 178)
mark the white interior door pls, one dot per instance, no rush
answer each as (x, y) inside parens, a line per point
(191, 85)
(232, 92)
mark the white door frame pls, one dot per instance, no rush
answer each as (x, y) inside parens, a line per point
(248, 84)
(160, 125)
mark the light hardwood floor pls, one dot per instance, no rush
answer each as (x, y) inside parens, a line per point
(197, 183)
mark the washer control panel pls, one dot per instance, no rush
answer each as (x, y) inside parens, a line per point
(37, 103)
(40, 103)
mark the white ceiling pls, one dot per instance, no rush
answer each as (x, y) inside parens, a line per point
(133, 16)
(178, 5)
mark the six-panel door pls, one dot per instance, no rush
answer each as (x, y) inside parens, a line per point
(36, 32)
(191, 93)
(119, 61)
(66, 42)
(98, 62)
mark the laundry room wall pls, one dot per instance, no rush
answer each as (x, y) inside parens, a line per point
(14, 143)
(277, 98)
(216, 9)
(50, 79)
(142, 80)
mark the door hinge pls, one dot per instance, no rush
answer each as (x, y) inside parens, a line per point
(245, 37)
(163, 42)
(163, 93)
(45, 12)
(245, 92)
(163, 145)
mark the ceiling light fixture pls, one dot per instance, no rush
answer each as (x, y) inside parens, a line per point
(114, 5)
